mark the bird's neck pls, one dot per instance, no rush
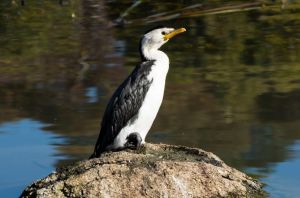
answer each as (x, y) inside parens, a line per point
(154, 54)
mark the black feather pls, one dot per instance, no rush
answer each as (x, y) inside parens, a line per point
(124, 105)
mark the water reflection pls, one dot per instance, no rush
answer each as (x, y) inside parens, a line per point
(270, 103)
(284, 176)
(233, 86)
(92, 94)
(27, 152)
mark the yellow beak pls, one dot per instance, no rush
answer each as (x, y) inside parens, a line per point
(174, 33)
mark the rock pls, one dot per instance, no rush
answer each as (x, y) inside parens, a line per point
(156, 170)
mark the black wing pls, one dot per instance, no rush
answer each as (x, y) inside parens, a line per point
(123, 106)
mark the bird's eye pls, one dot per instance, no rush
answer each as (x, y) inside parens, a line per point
(163, 33)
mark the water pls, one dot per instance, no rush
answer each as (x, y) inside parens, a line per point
(233, 87)
(26, 151)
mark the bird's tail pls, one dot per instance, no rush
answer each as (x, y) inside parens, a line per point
(99, 147)
(92, 156)
(95, 154)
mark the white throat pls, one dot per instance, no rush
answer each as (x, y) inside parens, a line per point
(154, 54)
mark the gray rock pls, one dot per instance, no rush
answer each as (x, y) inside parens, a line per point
(156, 170)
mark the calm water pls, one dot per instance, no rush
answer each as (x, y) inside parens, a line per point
(233, 86)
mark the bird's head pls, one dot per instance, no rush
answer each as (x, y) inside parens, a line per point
(155, 38)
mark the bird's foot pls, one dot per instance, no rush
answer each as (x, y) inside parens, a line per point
(134, 141)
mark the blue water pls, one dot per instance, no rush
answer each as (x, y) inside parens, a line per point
(27, 153)
(284, 180)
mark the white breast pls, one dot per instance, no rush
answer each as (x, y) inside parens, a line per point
(150, 105)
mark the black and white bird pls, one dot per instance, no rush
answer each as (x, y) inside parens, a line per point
(133, 107)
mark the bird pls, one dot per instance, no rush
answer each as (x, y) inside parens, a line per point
(134, 105)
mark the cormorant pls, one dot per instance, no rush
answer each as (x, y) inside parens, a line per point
(134, 105)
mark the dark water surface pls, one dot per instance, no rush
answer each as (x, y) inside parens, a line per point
(233, 87)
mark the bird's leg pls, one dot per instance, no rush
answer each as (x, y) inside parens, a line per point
(134, 141)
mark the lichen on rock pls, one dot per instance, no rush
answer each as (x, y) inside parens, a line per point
(156, 170)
